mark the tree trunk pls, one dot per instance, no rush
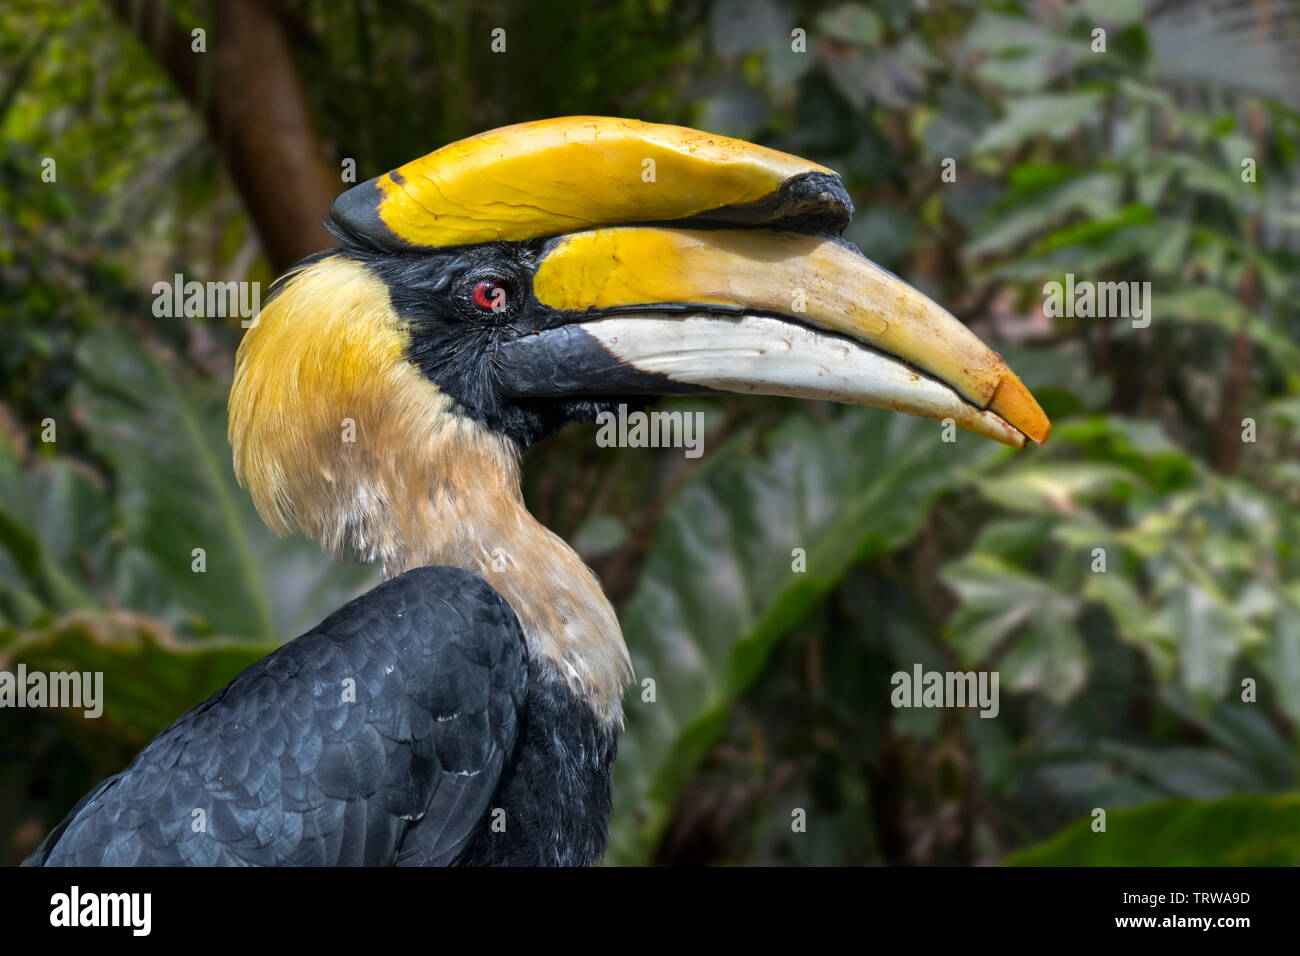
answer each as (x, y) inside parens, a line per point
(248, 90)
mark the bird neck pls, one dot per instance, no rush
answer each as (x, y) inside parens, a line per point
(472, 516)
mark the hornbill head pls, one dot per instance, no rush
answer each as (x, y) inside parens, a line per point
(506, 284)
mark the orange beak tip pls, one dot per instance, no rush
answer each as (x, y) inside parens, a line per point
(1014, 403)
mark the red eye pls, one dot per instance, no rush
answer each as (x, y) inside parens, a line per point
(490, 296)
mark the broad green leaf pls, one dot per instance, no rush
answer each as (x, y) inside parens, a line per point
(739, 26)
(1114, 234)
(1283, 657)
(1193, 773)
(1049, 658)
(1139, 445)
(1112, 12)
(994, 33)
(998, 602)
(1052, 115)
(54, 519)
(1237, 831)
(1052, 487)
(1089, 249)
(166, 440)
(1244, 730)
(1208, 638)
(1095, 195)
(1118, 595)
(853, 23)
(1204, 303)
(150, 676)
(718, 590)
(1031, 69)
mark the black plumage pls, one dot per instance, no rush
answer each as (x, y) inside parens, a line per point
(379, 737)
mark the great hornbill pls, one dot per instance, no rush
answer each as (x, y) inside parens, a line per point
(466, 710)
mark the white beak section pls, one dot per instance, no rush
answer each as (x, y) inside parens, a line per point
(756, 355)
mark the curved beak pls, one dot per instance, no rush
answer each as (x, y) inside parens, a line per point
(740, 289)
(657, 310)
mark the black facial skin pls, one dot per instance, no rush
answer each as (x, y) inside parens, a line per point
(456, 343)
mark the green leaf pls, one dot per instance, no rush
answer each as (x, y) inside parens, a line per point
(1054, 116)
(1237, 831)
(1247, 732)
(1283, 657)
(1112, 13)
(1095, 195)
(718, 590)
(1050, 657)
(852, 23)
(1208, 638)
(1092, 233)
(54, 519)
(995, 33)
(1212, 306)
(1141, 446)
(739, 26)
(1030, 70)
(1053, 487)
(998, 600)
(1132, 617)
(165, 437)
(150, 676)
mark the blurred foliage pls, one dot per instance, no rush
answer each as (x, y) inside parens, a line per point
(717, 591)
(1122, 687)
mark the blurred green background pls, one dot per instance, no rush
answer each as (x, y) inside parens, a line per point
(1121, 689)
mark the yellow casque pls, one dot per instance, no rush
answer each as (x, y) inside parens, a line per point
(561, 175)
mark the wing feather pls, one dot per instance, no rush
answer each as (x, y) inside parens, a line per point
(376, 738)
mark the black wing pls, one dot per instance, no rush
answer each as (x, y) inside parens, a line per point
(376, 738)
